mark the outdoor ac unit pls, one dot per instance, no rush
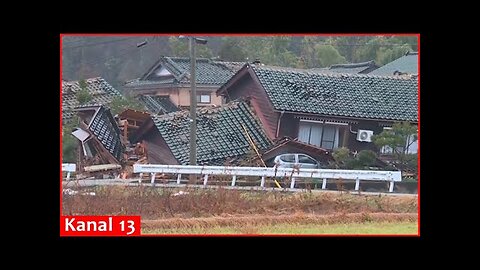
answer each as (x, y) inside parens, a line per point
(364, 135)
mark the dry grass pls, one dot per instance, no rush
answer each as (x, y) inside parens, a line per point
(160, 203)
(249, 224)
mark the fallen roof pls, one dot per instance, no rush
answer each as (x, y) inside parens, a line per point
(406, 64)
(173, 70)
(101, 92)
(103, 126)
(220, 133)
(345, 95)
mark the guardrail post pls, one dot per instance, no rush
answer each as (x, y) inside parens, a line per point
(391, 186)
(324, 184)
(234, 179)
(205, 179)
(179, 177)
(262, 183)
(357, 184)
(292, 184)
(152, 180)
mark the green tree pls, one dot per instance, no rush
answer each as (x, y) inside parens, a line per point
(119, 104)
(83, 96)
(399, 139)
(231, 50)
(69, 143)
(180, 48)
(327, 55)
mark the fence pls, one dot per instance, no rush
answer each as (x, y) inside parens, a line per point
(68, 168)
(324, 174)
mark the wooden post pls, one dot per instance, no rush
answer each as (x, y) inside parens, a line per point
(357, 184)
(292, 184)
(234, 179)
(324, 184)
(179, 177)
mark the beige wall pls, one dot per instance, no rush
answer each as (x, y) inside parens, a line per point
(181, 96)
(184, 97)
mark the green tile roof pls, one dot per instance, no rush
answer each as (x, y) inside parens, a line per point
(102, 94)
(352, 68)
(347, 95)
(220, 134)
(207, 72)
(158, 104)
(405, 64)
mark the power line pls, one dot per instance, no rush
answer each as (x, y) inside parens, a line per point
(98, 43)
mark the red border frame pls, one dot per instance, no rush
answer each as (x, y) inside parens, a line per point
(256, 34)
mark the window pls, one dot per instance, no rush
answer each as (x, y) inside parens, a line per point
(305, 159)
(288, 158)
(203, 98)
(325, 136)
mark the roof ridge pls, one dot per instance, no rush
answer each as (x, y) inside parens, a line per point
(360, 64)
(310, 72)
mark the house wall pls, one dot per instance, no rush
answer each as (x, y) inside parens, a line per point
(184, 97)
(289, 127)
(247, 87)
(157, 150)
(355, 145)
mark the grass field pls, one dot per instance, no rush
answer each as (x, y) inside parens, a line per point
(222, 211)
(351, 228)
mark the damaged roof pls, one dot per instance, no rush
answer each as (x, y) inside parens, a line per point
(158, 104)
(347, 95)
(103, 126)
(406, 64)
(220, 134)
(352, 68)
(174, 70)
(101, 92)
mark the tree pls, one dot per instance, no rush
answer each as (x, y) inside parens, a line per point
(231, 50)
(398, 139)
(180, 48)
(328, 55)
(83, 96)
(69, 143)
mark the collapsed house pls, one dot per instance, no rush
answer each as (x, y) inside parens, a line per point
(100, 146)
(99, 90)
(328, 110)
(224, 136)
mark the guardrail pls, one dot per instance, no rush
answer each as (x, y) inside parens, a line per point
(357, 175)
(69, 168)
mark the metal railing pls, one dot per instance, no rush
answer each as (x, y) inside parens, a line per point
(206, 171)
(68, 168)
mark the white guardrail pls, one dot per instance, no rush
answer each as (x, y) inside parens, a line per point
(68, 168)
(357, 175)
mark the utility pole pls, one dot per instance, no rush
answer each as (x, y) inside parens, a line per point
(193, 104)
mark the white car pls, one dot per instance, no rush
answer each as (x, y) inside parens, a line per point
(299, 160)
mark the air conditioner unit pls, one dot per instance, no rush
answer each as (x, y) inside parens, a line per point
(364, 135)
